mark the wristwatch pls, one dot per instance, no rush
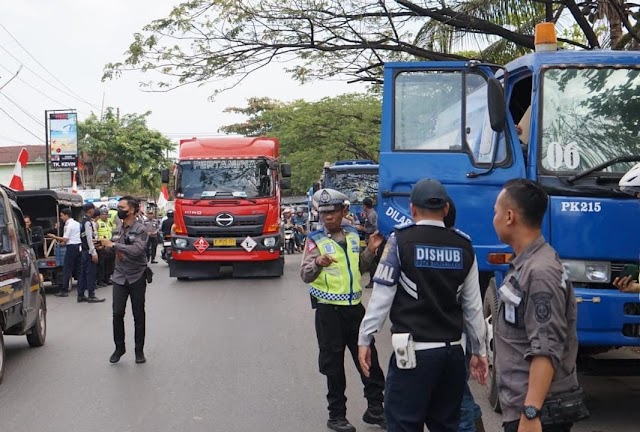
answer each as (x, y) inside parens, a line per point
(531, 412)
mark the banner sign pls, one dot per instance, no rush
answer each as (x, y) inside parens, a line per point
(63, 140)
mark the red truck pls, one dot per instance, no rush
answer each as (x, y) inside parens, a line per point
(227, 207)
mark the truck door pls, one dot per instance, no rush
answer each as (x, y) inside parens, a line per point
(435, 124)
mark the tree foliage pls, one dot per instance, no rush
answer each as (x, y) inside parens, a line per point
(123, 152)
(204, 40)
(310, 133)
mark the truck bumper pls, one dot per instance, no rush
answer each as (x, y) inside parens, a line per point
(185, 264)
(608, 317)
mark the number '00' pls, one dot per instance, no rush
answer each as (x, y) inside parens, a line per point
(582, 206)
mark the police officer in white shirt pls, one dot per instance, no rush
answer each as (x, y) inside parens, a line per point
(71, 241)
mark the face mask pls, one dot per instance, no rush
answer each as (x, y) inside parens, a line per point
(122, 214)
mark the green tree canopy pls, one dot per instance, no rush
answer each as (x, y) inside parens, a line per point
(124, 152)
(310, 133)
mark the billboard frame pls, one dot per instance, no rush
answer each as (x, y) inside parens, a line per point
(47, 126)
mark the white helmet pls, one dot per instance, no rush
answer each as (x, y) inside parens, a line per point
(630, 182)
(347, 203)
(113, 205)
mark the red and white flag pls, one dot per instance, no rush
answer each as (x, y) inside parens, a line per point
(163, 199)
(74, 183)
(16, 180)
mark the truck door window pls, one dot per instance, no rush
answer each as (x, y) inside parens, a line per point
(438, 111)
(20, 227)
(6, 245)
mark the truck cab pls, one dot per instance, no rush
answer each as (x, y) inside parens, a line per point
(566, 119)
(23, 308)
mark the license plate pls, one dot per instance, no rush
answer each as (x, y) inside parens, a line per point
(165, 244)
(224, 242)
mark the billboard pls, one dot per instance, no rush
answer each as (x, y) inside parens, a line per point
(63, 140)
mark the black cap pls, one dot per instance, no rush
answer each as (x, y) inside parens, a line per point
(429, 194)
(88, 206)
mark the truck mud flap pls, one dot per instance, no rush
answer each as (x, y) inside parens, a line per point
(273, 268)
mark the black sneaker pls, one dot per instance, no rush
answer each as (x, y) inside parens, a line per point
(340, 425)
(82, 299)
(115, 357)
(61, 294)
(94, 299)
(375, 416)
(101, 284)
(140, 358)
(154, 262)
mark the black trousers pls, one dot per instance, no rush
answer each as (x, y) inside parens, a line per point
(106, 260)
(513, 427)
(429, 394)
(136, 291)
(152, 247)
(337, 328)
(71, 265)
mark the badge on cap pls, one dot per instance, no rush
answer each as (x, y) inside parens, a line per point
(325, 197)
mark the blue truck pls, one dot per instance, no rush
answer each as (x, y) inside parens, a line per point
(567, 119)
(356, 178)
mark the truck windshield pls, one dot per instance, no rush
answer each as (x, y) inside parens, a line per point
(356, 185)
(224, 178)
(589, 117)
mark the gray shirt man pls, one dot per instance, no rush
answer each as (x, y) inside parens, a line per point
(536, 317)
(371, 221)
(130, 245)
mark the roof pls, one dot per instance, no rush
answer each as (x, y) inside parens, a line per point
(239, 147)
(37, 153)
(66, 198)
(536, 61)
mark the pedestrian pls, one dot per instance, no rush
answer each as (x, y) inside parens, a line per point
(70, 241)
(105, 256)
(331, 265)
(437, 271)
(630, 184)
(370, 226)
(88, 258)
(535, 331)
(470, 411)
(129, 243)
(153, 227)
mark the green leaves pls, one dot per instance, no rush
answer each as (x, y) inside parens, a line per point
(123, 152)
(310, 133)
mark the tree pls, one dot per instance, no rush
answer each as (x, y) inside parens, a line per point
(205, 40)
(123, 152)
(310, 133)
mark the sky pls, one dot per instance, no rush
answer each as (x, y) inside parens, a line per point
(72, 40)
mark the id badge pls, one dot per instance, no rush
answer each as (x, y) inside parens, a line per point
(510, 315)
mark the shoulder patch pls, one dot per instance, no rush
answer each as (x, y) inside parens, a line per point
(462, 234)
(542, 306)
(388, 269)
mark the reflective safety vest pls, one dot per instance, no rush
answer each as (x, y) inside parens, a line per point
(339, 283)
(113, 216)
(104, 230)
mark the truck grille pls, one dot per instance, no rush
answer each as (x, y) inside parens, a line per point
(242, 226)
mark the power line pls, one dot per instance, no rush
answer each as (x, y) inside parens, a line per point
(20, 124)
(36, 89)
(44, 80)
(45, 69)
(31, 116)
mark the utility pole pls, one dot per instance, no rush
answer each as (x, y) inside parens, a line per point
(12, 78)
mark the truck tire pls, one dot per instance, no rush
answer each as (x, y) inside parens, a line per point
(490, 308)
(1, 356)
(38, 334)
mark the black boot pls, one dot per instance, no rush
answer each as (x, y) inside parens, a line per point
(340, 424)
(140, 358)
(119, 352)
(375, 416)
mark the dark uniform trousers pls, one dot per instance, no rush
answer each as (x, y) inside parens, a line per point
(136, 291)
(152, 247)
(432, 389)
(87, 278)
(71, 265)
(106, 260)
(336, 328)
(513, 427)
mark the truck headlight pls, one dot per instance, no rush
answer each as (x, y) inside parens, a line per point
(181, 243)
(269, 242)
(588, 271)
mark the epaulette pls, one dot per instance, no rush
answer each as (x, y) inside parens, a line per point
(404, 225)
(462, 234)
(349, 228)
(314, 235)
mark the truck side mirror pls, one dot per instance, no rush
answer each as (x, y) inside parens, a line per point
(285, 183)
(497, 111)
(285, 170)
(164, 173)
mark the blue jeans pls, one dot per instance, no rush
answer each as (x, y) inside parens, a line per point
(87, 278)
(469, 410)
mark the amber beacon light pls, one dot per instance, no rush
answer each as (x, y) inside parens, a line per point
(545, 37)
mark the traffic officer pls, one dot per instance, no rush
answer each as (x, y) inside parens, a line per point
(153, 227)
(437, 271)
(331, 265)
(535, 335)
(105, 256)
(88, 258)
(129, 243)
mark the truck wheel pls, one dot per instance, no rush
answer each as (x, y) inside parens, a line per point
(1, 356)
(490, 308)
(38, 333)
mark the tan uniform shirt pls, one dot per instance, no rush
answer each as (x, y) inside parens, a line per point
(536, 317)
